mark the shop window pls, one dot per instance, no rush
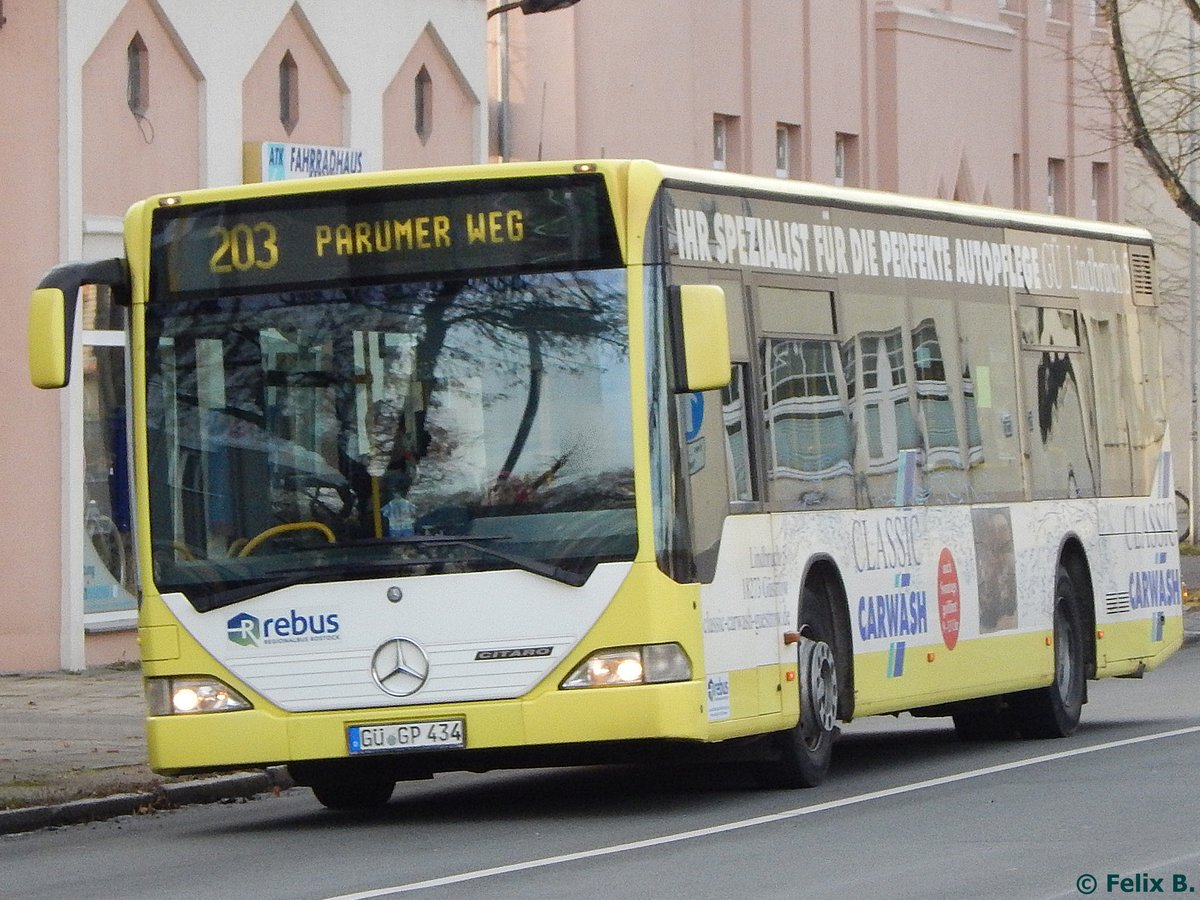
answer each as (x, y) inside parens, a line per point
(108, 563)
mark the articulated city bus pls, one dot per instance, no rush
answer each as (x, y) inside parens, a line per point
(556, 463)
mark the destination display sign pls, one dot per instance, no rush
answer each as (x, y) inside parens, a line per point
(368, 235)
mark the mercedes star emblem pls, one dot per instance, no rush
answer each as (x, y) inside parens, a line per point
(400, 667)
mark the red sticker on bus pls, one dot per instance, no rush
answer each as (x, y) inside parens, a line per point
(949, 611)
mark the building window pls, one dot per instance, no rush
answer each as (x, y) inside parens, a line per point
(1056, 186)
(727, 143)
(720, 142)
(423, 98)
(787, 151)
(138, 85)
(1055, 9)
(1101, 192)
(1018, 193)
(845, 160)
(289, 92)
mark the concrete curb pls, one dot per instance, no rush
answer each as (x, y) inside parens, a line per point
(166, 796)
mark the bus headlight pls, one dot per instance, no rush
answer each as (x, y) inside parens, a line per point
(647, 664)
(198, 694)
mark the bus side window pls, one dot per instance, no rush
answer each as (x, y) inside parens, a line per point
(717, 451)
(945, 403)
(809, 444)
(1109, 363)
(1056, 371)
(735, 406)
(737, 400)
(1146, 391)
(881, 393)
(706, 462)
(989, 384)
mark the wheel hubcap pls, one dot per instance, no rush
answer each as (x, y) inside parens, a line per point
(818, 688)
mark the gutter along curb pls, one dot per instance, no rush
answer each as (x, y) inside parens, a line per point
(166, 796)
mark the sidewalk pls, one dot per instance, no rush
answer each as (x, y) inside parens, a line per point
(72, 749)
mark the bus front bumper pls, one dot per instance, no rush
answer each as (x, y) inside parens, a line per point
(555, 727)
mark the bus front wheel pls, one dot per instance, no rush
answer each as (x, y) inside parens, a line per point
(369, 793)
(802, 754)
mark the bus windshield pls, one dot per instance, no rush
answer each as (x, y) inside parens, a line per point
(389, 429)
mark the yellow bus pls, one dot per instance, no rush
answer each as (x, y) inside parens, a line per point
(559, 463)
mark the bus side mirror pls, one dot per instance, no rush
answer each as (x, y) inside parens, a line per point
(49, 339)
(52, 315)
(701, 338)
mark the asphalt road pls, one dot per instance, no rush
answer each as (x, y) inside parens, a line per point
(908, 812)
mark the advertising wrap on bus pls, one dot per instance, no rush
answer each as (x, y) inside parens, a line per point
(827, 242)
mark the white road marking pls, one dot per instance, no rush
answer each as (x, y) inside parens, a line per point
(757, 820)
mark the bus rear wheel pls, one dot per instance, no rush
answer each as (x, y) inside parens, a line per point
(802, 753)
(1054, 711)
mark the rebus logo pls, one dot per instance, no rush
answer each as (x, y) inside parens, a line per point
(244, 630)
(291, 627)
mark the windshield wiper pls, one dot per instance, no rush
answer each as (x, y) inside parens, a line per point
(477, 543)
(372, 568)
(290, 578)
(525, 563)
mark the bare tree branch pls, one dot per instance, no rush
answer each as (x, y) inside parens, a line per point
(1167, 167)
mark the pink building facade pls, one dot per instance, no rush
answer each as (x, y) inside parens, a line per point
(984, 100)
(112, 100)
(991, 101)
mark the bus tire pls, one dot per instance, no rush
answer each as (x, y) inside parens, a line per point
(802, 754)
(1054, 711)
(369, 793)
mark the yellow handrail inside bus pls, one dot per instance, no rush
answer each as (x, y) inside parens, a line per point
(283, 529)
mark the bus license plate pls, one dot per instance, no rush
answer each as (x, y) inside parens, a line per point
(392, 737)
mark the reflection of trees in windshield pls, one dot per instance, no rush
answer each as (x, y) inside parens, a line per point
(522, 329)
(388, 410)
